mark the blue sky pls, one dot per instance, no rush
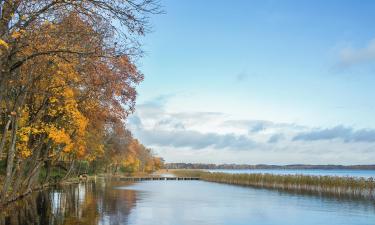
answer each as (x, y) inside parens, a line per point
(300, 73)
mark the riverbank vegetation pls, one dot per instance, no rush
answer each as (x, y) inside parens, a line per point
(68, 81)
(340, 186)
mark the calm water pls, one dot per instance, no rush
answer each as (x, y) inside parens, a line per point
(313, 172)
(183, 203)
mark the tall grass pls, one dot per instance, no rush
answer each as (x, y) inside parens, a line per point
(348, 186)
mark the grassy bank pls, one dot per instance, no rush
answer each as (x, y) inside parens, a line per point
(340, 186)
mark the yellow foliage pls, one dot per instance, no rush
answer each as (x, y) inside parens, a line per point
(80, 147)
(68, 93)
(22, 143)
(149, 166)
(3, 44)
(53, 99)
(24, 151)
(24, 116)
(69, 128)
(59, 136)
(70, 101)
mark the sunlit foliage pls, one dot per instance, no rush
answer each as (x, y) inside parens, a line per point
(67, 83)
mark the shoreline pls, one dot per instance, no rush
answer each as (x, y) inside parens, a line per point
(330, 185)
(317, 185)
(19, 197)
(68, 181)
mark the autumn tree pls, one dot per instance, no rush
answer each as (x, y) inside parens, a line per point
(67, 75)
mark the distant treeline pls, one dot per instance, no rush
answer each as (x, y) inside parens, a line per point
(263, 166)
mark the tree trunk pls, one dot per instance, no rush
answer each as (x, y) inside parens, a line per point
(19, 175)
(34, 176)
(48, 171)
(10, 161)
(3, 138)
(69, 171)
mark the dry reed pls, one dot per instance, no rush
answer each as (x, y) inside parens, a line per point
(348, 186)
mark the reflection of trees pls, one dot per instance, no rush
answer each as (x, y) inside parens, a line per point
(28, 211)
(86, 204)
(115, 204)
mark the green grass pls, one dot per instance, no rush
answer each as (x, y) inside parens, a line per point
(349, 186)
(55, 175)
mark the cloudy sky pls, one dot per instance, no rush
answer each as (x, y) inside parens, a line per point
(273, 82)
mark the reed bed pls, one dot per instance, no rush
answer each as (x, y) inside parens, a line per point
(340, 186)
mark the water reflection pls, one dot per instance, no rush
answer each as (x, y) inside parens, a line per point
(181, 203)
(85, 203)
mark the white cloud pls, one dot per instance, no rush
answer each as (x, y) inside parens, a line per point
(350, 56)
(275, 138)
(214, 137)
(346, 134)
(194, 139)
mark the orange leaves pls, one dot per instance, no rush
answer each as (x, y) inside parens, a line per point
(72, 126)
(78, 90)
(64, 109)
(158, 163)
(131, 163)
(70, 85)
(139, 158)
(149, 167)
(133, 147)
(17, 34)
(68, 118)
(80, 147)
(59, 136)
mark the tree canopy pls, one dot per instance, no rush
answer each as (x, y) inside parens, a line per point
(68, 78)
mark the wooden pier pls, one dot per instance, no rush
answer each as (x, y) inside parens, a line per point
(157, 178)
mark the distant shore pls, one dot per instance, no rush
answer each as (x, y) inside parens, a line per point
(265, 166)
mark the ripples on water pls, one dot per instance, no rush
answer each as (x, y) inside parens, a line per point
(182, 203)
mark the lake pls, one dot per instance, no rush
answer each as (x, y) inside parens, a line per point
(182, 203)
(312, 172)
